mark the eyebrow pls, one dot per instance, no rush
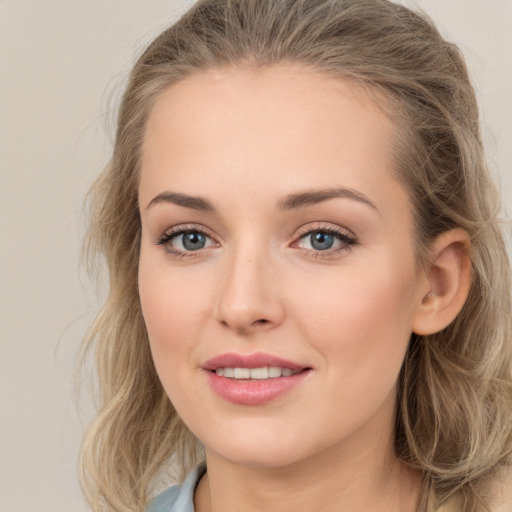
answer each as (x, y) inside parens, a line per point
(195, 203)
(312, 197)
(290, 202)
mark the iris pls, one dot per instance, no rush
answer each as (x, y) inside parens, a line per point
(321, 241)
(193, 241)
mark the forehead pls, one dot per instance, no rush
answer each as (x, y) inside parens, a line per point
(284, 124)
(275, 98)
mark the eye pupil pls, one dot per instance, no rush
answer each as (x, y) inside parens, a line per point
(321, 241)
(193, 241)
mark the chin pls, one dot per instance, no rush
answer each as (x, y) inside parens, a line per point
(259, 458)
(261, 450)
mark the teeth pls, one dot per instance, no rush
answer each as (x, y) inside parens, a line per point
(274, 372)
(259, 373)
(242, 373)
(265, 372)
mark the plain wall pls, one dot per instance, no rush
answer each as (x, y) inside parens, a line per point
(61, 66)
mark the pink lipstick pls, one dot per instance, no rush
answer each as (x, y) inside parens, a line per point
(253, 379)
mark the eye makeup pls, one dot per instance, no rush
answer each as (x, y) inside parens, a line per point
(318, 241)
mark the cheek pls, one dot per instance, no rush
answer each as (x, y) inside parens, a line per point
(170, 297)
(171, 306)
(360, 324)
(361, 318)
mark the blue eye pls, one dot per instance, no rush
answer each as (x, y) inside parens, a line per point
(185, 241)
(327, 240)
(192, 241)
(321, 241)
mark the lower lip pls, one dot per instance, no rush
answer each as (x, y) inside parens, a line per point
(254, 392)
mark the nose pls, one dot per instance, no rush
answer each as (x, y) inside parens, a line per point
(250, 300)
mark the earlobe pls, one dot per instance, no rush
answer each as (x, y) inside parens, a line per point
(448, 276)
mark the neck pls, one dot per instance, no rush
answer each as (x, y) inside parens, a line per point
(360, 477)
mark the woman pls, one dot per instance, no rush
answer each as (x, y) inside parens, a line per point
(309, 288)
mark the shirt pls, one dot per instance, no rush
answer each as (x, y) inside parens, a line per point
(178, 498)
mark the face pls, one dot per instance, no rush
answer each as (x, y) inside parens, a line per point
(277, 274)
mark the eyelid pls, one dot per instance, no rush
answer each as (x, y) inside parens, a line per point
(325, 226)
(189, 226)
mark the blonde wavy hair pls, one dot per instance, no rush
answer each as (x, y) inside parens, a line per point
(454, 412)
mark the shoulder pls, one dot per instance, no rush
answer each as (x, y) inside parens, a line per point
(178, 498)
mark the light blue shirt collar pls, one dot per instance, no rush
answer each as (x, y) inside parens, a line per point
(178, 498)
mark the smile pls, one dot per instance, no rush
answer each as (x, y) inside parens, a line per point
(253, 379)
(265, 372)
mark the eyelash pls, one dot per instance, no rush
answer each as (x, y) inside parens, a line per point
(167, 237)
(347, 240)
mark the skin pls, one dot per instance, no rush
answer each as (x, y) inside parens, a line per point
(245, 140)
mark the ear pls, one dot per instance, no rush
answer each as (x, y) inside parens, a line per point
(448, 280)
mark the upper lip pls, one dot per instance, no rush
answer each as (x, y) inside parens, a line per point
(257, 360)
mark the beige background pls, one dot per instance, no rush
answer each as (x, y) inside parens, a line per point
(61, 66)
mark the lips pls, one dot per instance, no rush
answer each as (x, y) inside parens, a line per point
(253, 379)
(257, 360)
